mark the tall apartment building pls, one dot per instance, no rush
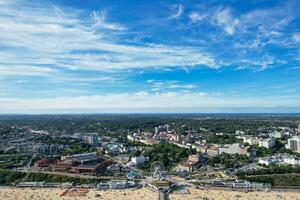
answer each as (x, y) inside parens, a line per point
(294, 144)
(267, 143)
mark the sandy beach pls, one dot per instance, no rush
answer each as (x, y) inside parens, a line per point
(144, 194)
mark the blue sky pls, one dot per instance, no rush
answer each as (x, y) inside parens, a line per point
(61, 56)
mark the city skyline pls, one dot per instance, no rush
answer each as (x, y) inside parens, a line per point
(59, 56)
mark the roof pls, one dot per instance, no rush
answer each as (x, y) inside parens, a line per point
(85, 157)
(43, 161)
(86, 166)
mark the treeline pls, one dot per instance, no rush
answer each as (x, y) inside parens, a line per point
(110, 124)
(277, 179)
(13, 177)
(273, 169)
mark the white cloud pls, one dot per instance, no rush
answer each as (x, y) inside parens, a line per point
(25, 71)
(182, 86)
(225, 19)
(74, 78)
(137, 102)
(159, 85)
(150, 81)
(296, 37)
(262, 63)
(60, 37)
(266, 23)
(196, 16)
(100, 20)
(178, 11)
(21, 81)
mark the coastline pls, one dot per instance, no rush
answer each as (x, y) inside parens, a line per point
(12, 193)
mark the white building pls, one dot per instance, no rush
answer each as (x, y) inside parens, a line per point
(291, 161)
(140, 160)
(92, 139)
(279, 160)
(78, 136)
(294, 144)
(236, 149)
(131, 138)
(278, 134)
(156, 130)
(251, 140)
(267, 143)
(238, 132)
(267, 161)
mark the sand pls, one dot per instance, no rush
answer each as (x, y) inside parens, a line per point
(142, 194)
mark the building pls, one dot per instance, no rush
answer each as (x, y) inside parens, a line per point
(238, 132)
(167, 127)
(193, 162)
(63, 166)
(130, 138)
(291, 161)
(267, 161)
(212, 151)
(86, 169)
(54, 148)
(156, 130)
(21, 148)
(237, 149)
(44, 162)
(114, 168)
(87, 163)
(85, 158)
(194, 158)
(78, 136)
(115, 148)
(117, 184)
(92, 139)
(267, 143)
(279, 159)
(200, 148)
(294, 144)
(239, 184)
(184, 166)
(31, 184)
(251, 140)
(278, 134)
(41, 148)
(140, 160)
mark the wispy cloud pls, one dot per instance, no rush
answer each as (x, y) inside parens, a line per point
(25, 71)
(296, 37)
(178, 9)
(100, 58)
(60, 37)
(159, 85)
(258, 64)
(100, 21)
